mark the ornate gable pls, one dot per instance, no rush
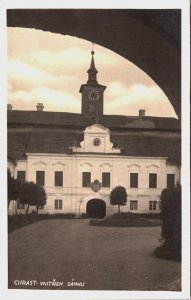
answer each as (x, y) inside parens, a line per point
(96, 140)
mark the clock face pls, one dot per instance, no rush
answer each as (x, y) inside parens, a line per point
(93, 95)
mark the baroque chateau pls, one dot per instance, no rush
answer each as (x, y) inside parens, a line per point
(80, 158)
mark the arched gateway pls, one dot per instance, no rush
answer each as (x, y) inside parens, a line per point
(96, 208)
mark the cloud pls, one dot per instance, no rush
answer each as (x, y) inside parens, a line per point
(52, 100)
(25, 77)
(130, 100)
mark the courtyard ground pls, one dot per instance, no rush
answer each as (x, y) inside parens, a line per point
(100, 258)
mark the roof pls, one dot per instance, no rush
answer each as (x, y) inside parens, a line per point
(61, 141)
(47, 118)
(151, 146)
(17, 143)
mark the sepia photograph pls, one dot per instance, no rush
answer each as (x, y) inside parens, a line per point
(94, 154)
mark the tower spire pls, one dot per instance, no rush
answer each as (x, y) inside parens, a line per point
(92, 72)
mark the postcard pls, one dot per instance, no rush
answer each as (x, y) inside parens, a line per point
(96, 111)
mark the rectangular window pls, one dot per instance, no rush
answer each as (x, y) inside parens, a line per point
(40, 177)
(57, 204)
(152, 205)
(134, 205)
(86, 179)
(170, 181)
(21, 176)
(20, 205)
(58, 178)
(133, 180)
(41, 207)
(152, 180)
(105, 179)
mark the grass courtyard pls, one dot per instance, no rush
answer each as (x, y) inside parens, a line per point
(102, 258)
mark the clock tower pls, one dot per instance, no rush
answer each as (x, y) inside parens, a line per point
(92, 95)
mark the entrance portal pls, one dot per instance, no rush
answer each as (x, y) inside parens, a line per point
(96, 208)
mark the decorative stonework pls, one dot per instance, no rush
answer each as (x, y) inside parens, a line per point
(133, 165)
(59, 163)
(40, 163)
(153, 166)
(96, 185)
(86, 166)
(101, 133)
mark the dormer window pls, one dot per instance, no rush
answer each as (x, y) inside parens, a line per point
(97, 142)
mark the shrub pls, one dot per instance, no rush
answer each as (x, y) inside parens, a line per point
(85, 216)
(171, 224)
(63, 216)
(130, 215)
(126, 220)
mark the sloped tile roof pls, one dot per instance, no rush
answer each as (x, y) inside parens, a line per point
(61, 141)
(57, 132)
(17, 144)
(19, 117)
(143, 145)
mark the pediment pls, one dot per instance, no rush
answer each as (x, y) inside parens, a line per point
(106, 165)
(153, 166)
(86, 164)
(96, 140)
(133, 165)
(40, 162)
(58, 163)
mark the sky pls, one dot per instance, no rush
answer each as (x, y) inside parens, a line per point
(49, 68)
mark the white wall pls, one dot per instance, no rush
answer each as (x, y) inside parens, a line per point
(72, 192)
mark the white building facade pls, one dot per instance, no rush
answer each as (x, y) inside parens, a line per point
(68, 179)
(80, 158)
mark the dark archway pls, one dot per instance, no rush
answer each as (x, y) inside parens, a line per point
(96, 208)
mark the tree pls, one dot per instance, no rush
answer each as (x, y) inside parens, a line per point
(13, 187)
(118, 196)
(171, 222)
(32, 194)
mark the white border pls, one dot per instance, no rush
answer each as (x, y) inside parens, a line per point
(3, 150)
(6, 294)
(140, 4)
(185, 105)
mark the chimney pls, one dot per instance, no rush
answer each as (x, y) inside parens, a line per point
(141, 113)
(9, 107)
(40, 106)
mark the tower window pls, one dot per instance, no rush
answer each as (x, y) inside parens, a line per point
(97, 142)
